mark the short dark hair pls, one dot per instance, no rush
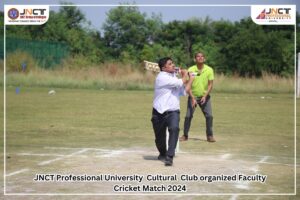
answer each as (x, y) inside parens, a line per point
(162, 62)
(195, 55)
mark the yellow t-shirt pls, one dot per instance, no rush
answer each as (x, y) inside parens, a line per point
(200, 83)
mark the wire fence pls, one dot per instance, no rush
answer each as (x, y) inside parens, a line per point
(47, 54)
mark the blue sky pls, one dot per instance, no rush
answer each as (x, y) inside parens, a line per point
(222, 9)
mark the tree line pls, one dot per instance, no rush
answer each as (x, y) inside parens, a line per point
(130, 36)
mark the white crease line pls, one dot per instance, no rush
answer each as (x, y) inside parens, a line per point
(111, 154)
(254, 169)
(181, 152)
(270, 163)
(243, 185)
(263, 159)
(120, 151)
(233, 197)
(17, 172)
(72, 148)
(105, 150)
(63, 157)
(225, 156)
(220, 152)
(39, 154)
(46, 155)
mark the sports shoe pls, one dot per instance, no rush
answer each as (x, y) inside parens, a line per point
(168, 161)
(183, 138)
(211, 139)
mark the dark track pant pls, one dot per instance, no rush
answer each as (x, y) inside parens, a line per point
(206, 110)
(160, 123)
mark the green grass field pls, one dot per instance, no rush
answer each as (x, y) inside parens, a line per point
(252, 131)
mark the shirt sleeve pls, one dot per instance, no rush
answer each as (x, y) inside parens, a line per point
(182, 91)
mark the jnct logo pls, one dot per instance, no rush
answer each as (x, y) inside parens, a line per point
(275, 13)
(262, 15)
(30, 13)
(13, 13)
(280, 11)
(26, 14)
(33, 12)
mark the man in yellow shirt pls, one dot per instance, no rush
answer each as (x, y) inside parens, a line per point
(201, 88)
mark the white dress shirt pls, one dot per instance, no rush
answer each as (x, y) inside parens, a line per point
(167, 91)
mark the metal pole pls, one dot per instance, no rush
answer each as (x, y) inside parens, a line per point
(298, 76)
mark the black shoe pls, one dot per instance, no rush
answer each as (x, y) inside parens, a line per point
(168, 161)
(161, 157)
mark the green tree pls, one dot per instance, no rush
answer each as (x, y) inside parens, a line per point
(154, 52)
(131, 36)
(245, 48)
(73, 17)
(125, 30)
(252, 50)
(181, 36)
(186, 34)
(223, 31)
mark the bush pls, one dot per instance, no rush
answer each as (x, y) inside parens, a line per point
(20, 61)
(76, 62)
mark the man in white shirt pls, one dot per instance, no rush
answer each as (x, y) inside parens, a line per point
(166, 107)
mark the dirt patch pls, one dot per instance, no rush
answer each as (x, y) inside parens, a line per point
(132, 162)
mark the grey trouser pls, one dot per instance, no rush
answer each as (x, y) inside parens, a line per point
(160, 123)
(206, 109)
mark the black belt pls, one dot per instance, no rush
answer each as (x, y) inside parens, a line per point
(166, 112)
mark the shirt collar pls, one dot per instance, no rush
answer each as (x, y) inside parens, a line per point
(203, 69)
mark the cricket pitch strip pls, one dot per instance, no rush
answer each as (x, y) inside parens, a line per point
(62, 170)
